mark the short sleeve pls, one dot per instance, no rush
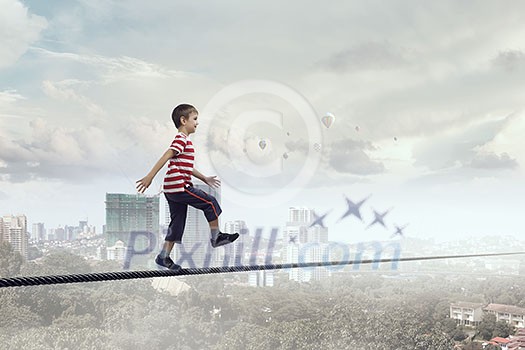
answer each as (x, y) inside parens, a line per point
(178, 144)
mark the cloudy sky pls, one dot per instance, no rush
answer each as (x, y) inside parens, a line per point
(427, 97)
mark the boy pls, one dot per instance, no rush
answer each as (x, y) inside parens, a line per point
(179, 190)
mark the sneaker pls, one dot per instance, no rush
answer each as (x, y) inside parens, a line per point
(167, 263)
(223, 238)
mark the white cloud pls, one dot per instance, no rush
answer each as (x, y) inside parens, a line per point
(61, 91)
(510, 138)
(113, 69)
(9, 96)
(8, 104)
(458, 147)
(510, 60)
(18, 31)
(368, 56)
(349, 156)
(83, 153)
(493, 161)
(53, 152)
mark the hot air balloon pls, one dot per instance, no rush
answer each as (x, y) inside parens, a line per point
(328, 119)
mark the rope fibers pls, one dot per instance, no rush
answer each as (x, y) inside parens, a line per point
(126, 275)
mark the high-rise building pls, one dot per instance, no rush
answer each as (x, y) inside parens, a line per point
(14, 231)
(126, 213)
(196, 248)
(296, 227)
(167, 217)
(82, 224)
(299, 215)
(39, 232)
(71, 233)
(305, 243)
(235, 252)
(317, 234)
(60, 233)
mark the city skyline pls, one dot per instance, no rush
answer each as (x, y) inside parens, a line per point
(357, 230)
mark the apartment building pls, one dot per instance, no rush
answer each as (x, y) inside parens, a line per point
(466, 314)
(513, 315)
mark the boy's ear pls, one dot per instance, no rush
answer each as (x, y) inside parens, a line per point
(182, 120)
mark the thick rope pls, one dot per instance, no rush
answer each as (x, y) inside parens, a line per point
(126, 275)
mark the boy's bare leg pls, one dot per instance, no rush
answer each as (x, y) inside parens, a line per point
(214, 224)
(214, 228)
(167, 248)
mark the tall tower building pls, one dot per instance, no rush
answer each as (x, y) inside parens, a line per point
(167, 218)
(82, 224)
(304, 243)
(296, 229)
(299, 215)
(14, 231)
(196, 238)
(39, 232)
(236, 251)
(131, 212)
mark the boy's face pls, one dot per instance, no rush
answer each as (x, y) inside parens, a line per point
(191, 122)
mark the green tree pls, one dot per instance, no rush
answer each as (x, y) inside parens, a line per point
(453, 330)
(34, 253)
(50, 338)
(487, 326)
(10, 261)
(14, 314)
(502, 329)
(58, 262)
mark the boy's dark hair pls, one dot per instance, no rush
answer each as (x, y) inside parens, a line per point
(182, 110)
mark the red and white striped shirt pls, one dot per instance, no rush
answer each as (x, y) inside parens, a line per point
(180, 167)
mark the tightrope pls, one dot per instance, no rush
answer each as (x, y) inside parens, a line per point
(24, 281)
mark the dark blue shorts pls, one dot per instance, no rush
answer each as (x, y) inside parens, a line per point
(178, 203)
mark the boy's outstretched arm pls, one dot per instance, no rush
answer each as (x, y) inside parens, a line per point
(144, 183)
(211, 181)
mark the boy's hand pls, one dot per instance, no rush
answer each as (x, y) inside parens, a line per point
(143, 184)
(212, 181)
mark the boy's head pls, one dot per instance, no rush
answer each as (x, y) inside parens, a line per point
(182, 111)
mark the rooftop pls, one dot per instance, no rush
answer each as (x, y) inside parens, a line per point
(509, 309)
(500, 340)
(466, 305)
